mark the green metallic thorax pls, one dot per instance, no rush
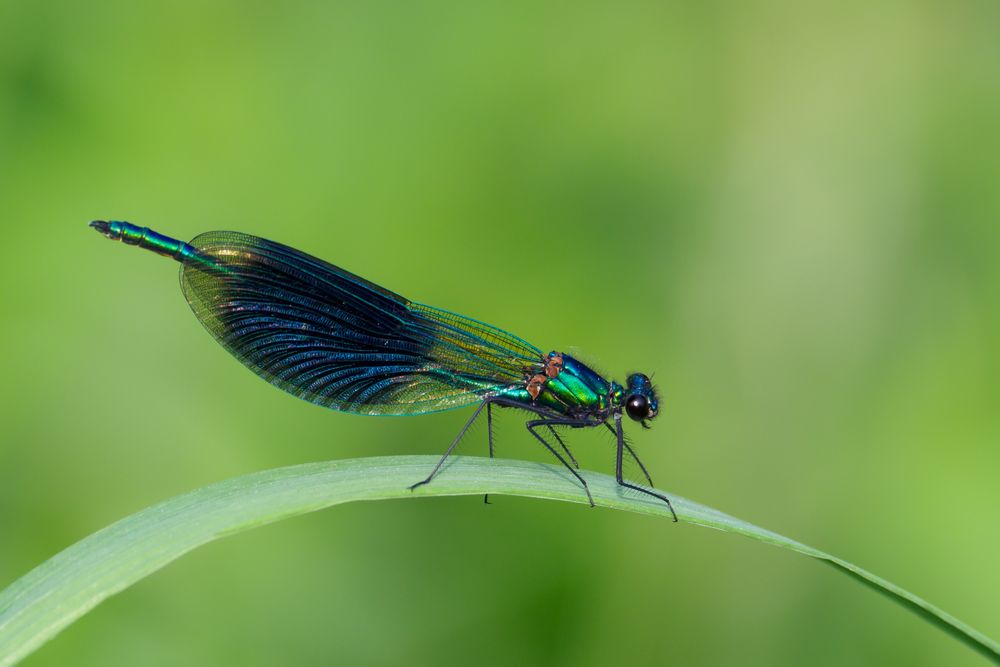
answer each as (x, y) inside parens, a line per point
(578, 391)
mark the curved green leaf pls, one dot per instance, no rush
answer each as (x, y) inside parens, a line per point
(37, 606)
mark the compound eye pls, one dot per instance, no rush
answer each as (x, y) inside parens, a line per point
(637, 407)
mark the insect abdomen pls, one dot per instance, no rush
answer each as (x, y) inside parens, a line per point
(146, 238)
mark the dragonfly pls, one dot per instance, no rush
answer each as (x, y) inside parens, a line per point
(337, 340)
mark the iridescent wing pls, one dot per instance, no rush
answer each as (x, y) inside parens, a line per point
(337, 340)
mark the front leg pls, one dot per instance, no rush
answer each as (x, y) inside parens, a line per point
(631, 452)
(618, 468)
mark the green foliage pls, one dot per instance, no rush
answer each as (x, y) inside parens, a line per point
(50, 597)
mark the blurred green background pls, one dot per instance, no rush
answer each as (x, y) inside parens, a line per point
(786, 211)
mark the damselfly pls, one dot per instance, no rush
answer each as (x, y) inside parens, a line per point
(340, 341)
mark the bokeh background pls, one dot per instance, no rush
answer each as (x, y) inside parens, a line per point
(789, 212)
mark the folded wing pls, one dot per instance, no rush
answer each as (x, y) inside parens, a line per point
(337, 340)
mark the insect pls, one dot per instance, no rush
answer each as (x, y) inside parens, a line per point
(335, 339)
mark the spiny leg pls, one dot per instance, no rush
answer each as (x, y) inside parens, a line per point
(531, 426)
(452, 446)
(635, 457)
(506, 403)
(489, 426)
(562, 444)
(618, 468)
(489, 430)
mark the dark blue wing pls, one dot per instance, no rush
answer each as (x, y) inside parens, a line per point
(335, 339)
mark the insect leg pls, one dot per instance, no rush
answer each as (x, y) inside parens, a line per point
(618, 468)
(489, 426)
(552, 421)
(635, 457)
(535, 423)
(562, 444)
(489, 430)
(505, 403)
(452, 446)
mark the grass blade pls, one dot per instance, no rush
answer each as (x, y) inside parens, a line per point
(41, 603)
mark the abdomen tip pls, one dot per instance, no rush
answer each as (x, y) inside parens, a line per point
(103, 227)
